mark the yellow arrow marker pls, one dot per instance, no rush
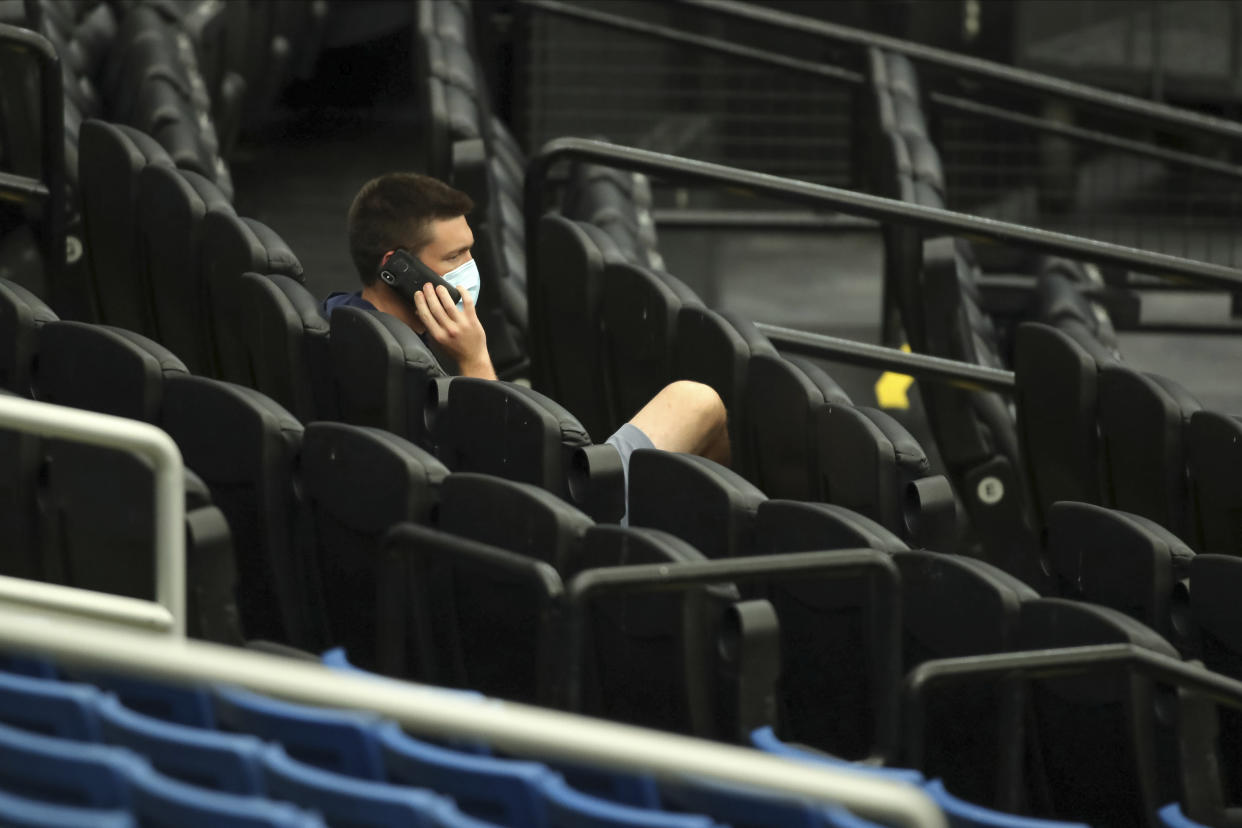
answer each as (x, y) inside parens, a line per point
(890, 389)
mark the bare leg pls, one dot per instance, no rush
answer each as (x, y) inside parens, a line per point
(688, 417)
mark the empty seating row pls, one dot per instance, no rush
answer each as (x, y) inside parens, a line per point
(1124, 439)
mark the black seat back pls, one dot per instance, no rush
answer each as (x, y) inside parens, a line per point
(1142, 429)
(715, 350)
(286, 346)
(1216, 581)
(868, 460)
(380, 372)
(464, 614)
(22, 314)
(233, 245)
(639, 318)
(780, 436)
(357, 483)
(1104, 754)
(1214, 455)
(112, 157)
(1123, 561)
(800, 526)
(566, 299)
(648, 657)
(703, 503)
(957, 606)
(505, 430)
(171, 207)
(517, 517)
(1056, 395)
(244, 446)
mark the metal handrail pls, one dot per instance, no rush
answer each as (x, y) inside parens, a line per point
(51, 196)
(515, 728)
(691, 171)
(1061, 662)
(920, 366)
(168, 612)
(978, 68)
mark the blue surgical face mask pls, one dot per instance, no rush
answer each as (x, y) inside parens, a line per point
(465, 278)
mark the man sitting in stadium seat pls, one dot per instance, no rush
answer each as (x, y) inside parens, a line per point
(428, 218)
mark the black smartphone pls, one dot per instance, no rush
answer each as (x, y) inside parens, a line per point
(407, 275)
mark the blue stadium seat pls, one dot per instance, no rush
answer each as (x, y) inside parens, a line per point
(569, 808)
(963, 814)
(330, 739)
(65, 771)
(1172, 817)
(19, 812)
(160, 802)
(183, 705)
(765, 739)
(49, 707)
(744, 808)
(219, 761)
(28, 666)
(504, 791)
(359, 803)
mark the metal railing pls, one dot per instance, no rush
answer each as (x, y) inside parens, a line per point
(514, 728)
(847, 202)
(1002, 157)
(1144, 111)
(168, 612)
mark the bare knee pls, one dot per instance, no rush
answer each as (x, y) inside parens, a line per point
(698, 401)
(685, 416)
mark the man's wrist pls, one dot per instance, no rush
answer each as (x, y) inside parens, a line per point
(480, 367)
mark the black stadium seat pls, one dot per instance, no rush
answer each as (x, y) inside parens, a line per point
(1214, 455)
(244, 446)
(1123, 561)
(639, 322)
(1142, 429)
(112, 159)
(97, 522)
(460, 613)
(357, 482)
(703, 503)
(715, 349)
(957, 606)
(648, 659)
(799, 526)
(1056, 394)
(22, 315)
(233, 245)
(517, 517)
(1103, 751)
(286, 346)
(380, 372)
(566, 357)
(505, 430)
(779, 430)
(172, 205)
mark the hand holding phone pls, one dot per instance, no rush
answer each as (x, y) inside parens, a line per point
(404, 273)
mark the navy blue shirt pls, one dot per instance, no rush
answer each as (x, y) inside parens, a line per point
(343, 300)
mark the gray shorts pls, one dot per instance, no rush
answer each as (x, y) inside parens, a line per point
(626, 440)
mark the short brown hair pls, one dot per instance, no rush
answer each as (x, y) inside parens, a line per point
(396, 210)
